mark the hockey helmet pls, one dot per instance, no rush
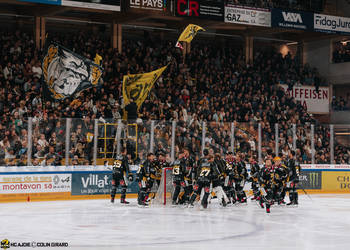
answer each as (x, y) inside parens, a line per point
(276, 159)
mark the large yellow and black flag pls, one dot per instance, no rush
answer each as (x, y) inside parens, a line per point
(138, 86)
(188, 34)
(66, 73)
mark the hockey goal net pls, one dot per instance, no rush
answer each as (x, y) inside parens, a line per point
(165, 189)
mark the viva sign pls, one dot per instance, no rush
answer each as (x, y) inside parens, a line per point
(292, 19)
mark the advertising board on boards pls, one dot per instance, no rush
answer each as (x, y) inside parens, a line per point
(38, 183)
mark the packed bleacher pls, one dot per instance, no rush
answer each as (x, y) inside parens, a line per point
(340, 103)
(341, 53)
(212, 84)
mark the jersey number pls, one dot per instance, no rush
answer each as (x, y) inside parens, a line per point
(176, 170)
(205, 172)
(117, 164)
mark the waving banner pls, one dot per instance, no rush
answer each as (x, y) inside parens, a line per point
(138, 86)
(188, 34)
(66, 73)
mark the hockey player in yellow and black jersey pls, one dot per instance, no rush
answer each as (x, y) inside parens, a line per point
(159, 164)
(188, 164)
(202, 181)
(240, 177)
(294, 172)
(178, 178)
(183, 173)
(218, 177)
(280, 180)
(144, 177)
(120, 170)
(254, 177)
(229, 178)
(266, 179)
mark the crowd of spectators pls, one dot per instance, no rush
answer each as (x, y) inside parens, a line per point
(212, 84)
(311, 5)
(341, 53)
(340, 103)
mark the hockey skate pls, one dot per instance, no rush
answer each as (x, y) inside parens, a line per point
(190, 205)
(142, 204)
(243, 201)
(261, 203)
(123, 201)
(254, 198)
(223, 202)
(281, 203)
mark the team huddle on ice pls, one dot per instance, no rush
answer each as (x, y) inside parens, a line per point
(225, 177)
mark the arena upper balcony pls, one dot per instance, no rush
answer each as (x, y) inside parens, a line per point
(167, 15)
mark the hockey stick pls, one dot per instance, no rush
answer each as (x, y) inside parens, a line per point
(302, 188)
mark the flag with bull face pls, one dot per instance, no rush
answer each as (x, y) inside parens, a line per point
(66, 73)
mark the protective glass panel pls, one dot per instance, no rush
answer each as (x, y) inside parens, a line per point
(322, 144)
(342, 144)
(189, 134)
(246, 138)
(285, 139)
(303, 144)
(162, 137)
(139, 150)
(48, 141)
(81, 141)
(218, 137)
(13, 141)
(106, 140)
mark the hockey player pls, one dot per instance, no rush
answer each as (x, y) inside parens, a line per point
(218, 177)
(145, 180)
(203, 179)
(266, 176)
(159, 164)
(120, 170)
(254, 177)
(280, 180)
(294, 171)
(229, 178)
(178, 178)
(240, 177)
(188, 167)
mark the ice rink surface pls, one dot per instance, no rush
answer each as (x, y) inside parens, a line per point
(320, 223)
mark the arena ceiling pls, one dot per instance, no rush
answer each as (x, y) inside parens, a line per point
(149, 18)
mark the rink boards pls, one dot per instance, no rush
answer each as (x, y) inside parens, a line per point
(19, 184)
